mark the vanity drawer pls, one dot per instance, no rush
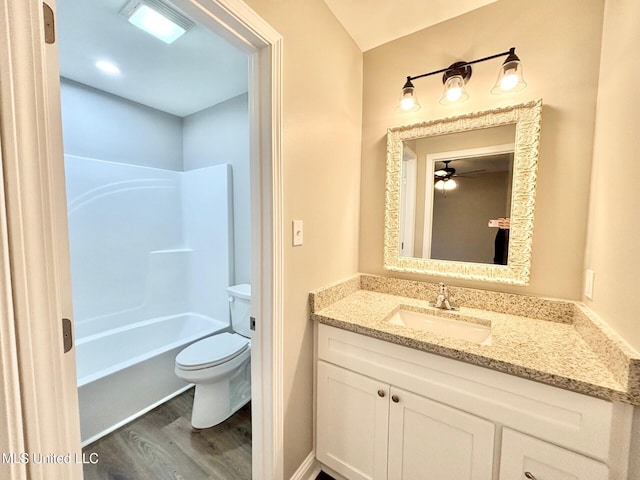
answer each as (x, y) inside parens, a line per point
(569, 419)
(527, 458)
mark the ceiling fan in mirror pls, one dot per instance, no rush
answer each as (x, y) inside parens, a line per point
(443, 177)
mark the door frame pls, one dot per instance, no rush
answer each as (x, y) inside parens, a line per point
(35, 293)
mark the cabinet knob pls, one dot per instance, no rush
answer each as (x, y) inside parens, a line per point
(381, 393)
(395, 398)
(530, 475)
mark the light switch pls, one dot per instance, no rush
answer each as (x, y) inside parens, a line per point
(298, 232)
(588, 284)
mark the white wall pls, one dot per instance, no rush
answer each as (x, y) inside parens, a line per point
(217, 135)
(93, 119)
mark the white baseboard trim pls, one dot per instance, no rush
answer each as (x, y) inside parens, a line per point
(309, 469)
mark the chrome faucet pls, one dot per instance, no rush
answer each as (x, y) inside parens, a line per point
(443, 298)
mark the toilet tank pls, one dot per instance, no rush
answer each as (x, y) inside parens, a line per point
(240, 307)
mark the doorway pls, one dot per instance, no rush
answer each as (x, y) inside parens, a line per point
(33, 196)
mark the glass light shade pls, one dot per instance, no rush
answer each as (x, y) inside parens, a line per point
(408, 99)
(510, 77)
(454, 91)
(448, 184)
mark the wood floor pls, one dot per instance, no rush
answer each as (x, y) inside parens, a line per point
(163, 445)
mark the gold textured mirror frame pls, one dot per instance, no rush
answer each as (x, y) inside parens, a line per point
(527, 118)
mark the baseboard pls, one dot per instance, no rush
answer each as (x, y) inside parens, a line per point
(308, 470)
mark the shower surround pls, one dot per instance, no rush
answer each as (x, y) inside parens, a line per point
(151, 254)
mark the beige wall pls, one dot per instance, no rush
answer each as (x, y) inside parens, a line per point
(559, 45)
(321, 147)
(613, 239)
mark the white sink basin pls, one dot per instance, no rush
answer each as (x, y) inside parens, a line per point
(442, 326)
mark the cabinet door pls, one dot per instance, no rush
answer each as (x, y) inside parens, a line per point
(527, 458)
(431, 441)
(351, 423)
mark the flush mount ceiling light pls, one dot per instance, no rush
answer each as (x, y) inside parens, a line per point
(455, 77)
(108, 67)
(157, 19)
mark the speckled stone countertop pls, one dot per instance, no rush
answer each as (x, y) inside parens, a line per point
(552, 341)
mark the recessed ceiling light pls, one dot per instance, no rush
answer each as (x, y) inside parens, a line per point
(107, 67)
(157, 19)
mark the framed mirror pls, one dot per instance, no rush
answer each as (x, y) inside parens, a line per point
(460, 195)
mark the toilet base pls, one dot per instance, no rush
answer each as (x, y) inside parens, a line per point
(214, 402)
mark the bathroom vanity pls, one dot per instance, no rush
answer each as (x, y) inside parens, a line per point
(533, 400)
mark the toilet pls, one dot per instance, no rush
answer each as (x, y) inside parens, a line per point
(220, 365)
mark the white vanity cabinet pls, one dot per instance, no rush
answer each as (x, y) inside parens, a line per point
(367, 428)
(427, 436)
(389, 412)
(352, 416)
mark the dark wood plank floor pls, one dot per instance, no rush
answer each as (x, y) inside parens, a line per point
(163, 445)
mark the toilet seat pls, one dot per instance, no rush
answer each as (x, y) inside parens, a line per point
(212, 351)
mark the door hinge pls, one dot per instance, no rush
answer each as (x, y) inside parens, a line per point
(49, 24)
(252, 323)
(67, 335)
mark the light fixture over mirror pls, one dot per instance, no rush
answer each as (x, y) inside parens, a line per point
(455, 77)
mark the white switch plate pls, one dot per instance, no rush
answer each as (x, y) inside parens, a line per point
(588, 284)
(298, 233)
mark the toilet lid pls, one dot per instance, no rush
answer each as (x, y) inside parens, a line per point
(212, 351)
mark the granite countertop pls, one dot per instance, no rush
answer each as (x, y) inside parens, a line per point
(548, 351)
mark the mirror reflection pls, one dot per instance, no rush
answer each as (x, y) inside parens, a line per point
(456, 196)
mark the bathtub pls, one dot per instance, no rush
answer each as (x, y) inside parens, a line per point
(125, 372)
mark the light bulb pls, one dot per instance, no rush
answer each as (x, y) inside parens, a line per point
(454, 90)
(454, 94)
(450, 184)
(407, 103)
(510, 77)
(408, 100)
(509, 81)
(439, 185)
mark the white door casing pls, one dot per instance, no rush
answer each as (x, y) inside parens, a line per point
(44, 409)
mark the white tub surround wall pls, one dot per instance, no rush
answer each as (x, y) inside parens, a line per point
(151, 254)
(207, 216)
(147, 242)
